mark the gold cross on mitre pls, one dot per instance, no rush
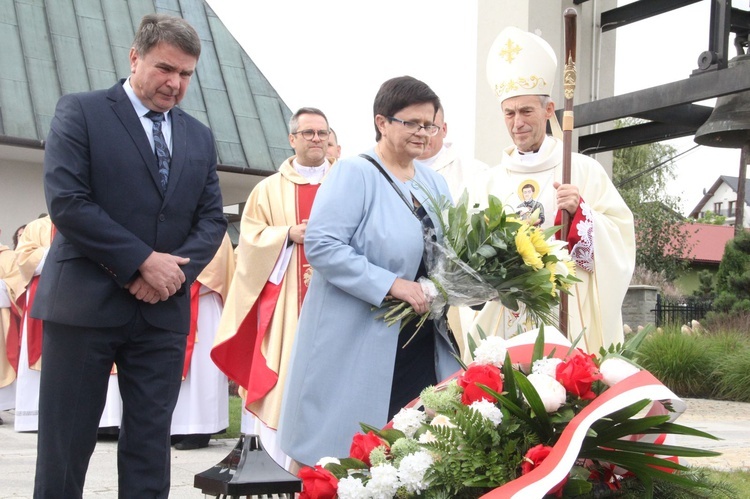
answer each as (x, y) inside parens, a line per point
(510, 51)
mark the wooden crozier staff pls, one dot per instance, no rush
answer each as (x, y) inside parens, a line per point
(569, 86)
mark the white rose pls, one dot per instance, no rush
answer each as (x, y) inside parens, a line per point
(327, 460)
(550, 391)
(615, 369)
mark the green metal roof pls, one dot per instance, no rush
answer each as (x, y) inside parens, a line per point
(53, 47)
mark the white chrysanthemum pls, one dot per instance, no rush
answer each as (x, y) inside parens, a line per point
(491, 350)
(412, 469)
(383, 483)
(488, 410)
(615, 369)
(427, 438)
(546, 366)
(327, 460)
(351, 488)
(409, 421)
(442, 420)
(550, 391)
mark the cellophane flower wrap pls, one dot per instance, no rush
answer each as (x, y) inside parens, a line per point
(554, 429)
(489, 254)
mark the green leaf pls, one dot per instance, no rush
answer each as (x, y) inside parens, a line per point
(628, 427)
(621, 415)
(662, 449)
(509, 380)
(487, 251)
(677, 429)
(576, 487)
(352, 464)
(389, 435)
(644, 467)
(538, 352)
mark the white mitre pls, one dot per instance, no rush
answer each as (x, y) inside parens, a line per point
(520, 63)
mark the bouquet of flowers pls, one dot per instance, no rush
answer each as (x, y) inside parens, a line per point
(527, 418)
(487, 255)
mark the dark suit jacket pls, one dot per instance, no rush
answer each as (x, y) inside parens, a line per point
(103, 194)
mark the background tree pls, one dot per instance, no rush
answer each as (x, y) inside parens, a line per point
(705, 289)
(712, 218)
(733, 277)
(641, 174)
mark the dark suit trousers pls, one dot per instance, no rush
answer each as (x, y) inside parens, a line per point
(76, 365)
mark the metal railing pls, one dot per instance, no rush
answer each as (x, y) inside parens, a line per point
(677, 313)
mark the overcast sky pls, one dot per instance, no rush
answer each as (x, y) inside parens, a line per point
(334, 54)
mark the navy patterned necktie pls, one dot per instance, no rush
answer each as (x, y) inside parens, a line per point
(160, 145)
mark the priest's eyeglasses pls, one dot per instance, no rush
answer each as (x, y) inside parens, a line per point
(413, 127)
(309, 134)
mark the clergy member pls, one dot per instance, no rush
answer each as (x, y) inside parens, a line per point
(10, 314)
(521, 70)
(257, 327)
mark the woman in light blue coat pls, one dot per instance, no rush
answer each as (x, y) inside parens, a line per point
(365, 241)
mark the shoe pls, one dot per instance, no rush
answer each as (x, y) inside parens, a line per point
(196, 441)
(1, 420)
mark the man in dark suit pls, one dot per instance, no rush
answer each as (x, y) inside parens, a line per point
(132, 189)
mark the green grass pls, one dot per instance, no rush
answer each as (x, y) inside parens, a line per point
(710, 365)
(235, 418)
(684, 363)
(734, 378)
(737, 480)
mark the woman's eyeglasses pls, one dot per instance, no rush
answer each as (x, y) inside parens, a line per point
(413, 127)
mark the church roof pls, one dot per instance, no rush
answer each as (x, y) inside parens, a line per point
(55, 47)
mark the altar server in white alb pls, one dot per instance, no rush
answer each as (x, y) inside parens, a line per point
(203, 403)
(521, 70)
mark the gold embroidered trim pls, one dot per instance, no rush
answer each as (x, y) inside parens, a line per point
(517, 83)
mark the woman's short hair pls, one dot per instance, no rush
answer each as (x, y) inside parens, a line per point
(400, 92)
(157, 28)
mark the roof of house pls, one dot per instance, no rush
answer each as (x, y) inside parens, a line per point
(732, 182)
(51, 48)
(707, 242)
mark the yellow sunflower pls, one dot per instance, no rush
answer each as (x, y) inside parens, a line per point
(526, 248)
(537, 239)
(551, 266)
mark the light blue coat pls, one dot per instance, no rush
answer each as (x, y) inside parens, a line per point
(360, 237)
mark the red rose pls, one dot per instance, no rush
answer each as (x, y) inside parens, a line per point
(536, 456)
(577, 374)
(487, 375)
(363, 444)
(317, 483)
